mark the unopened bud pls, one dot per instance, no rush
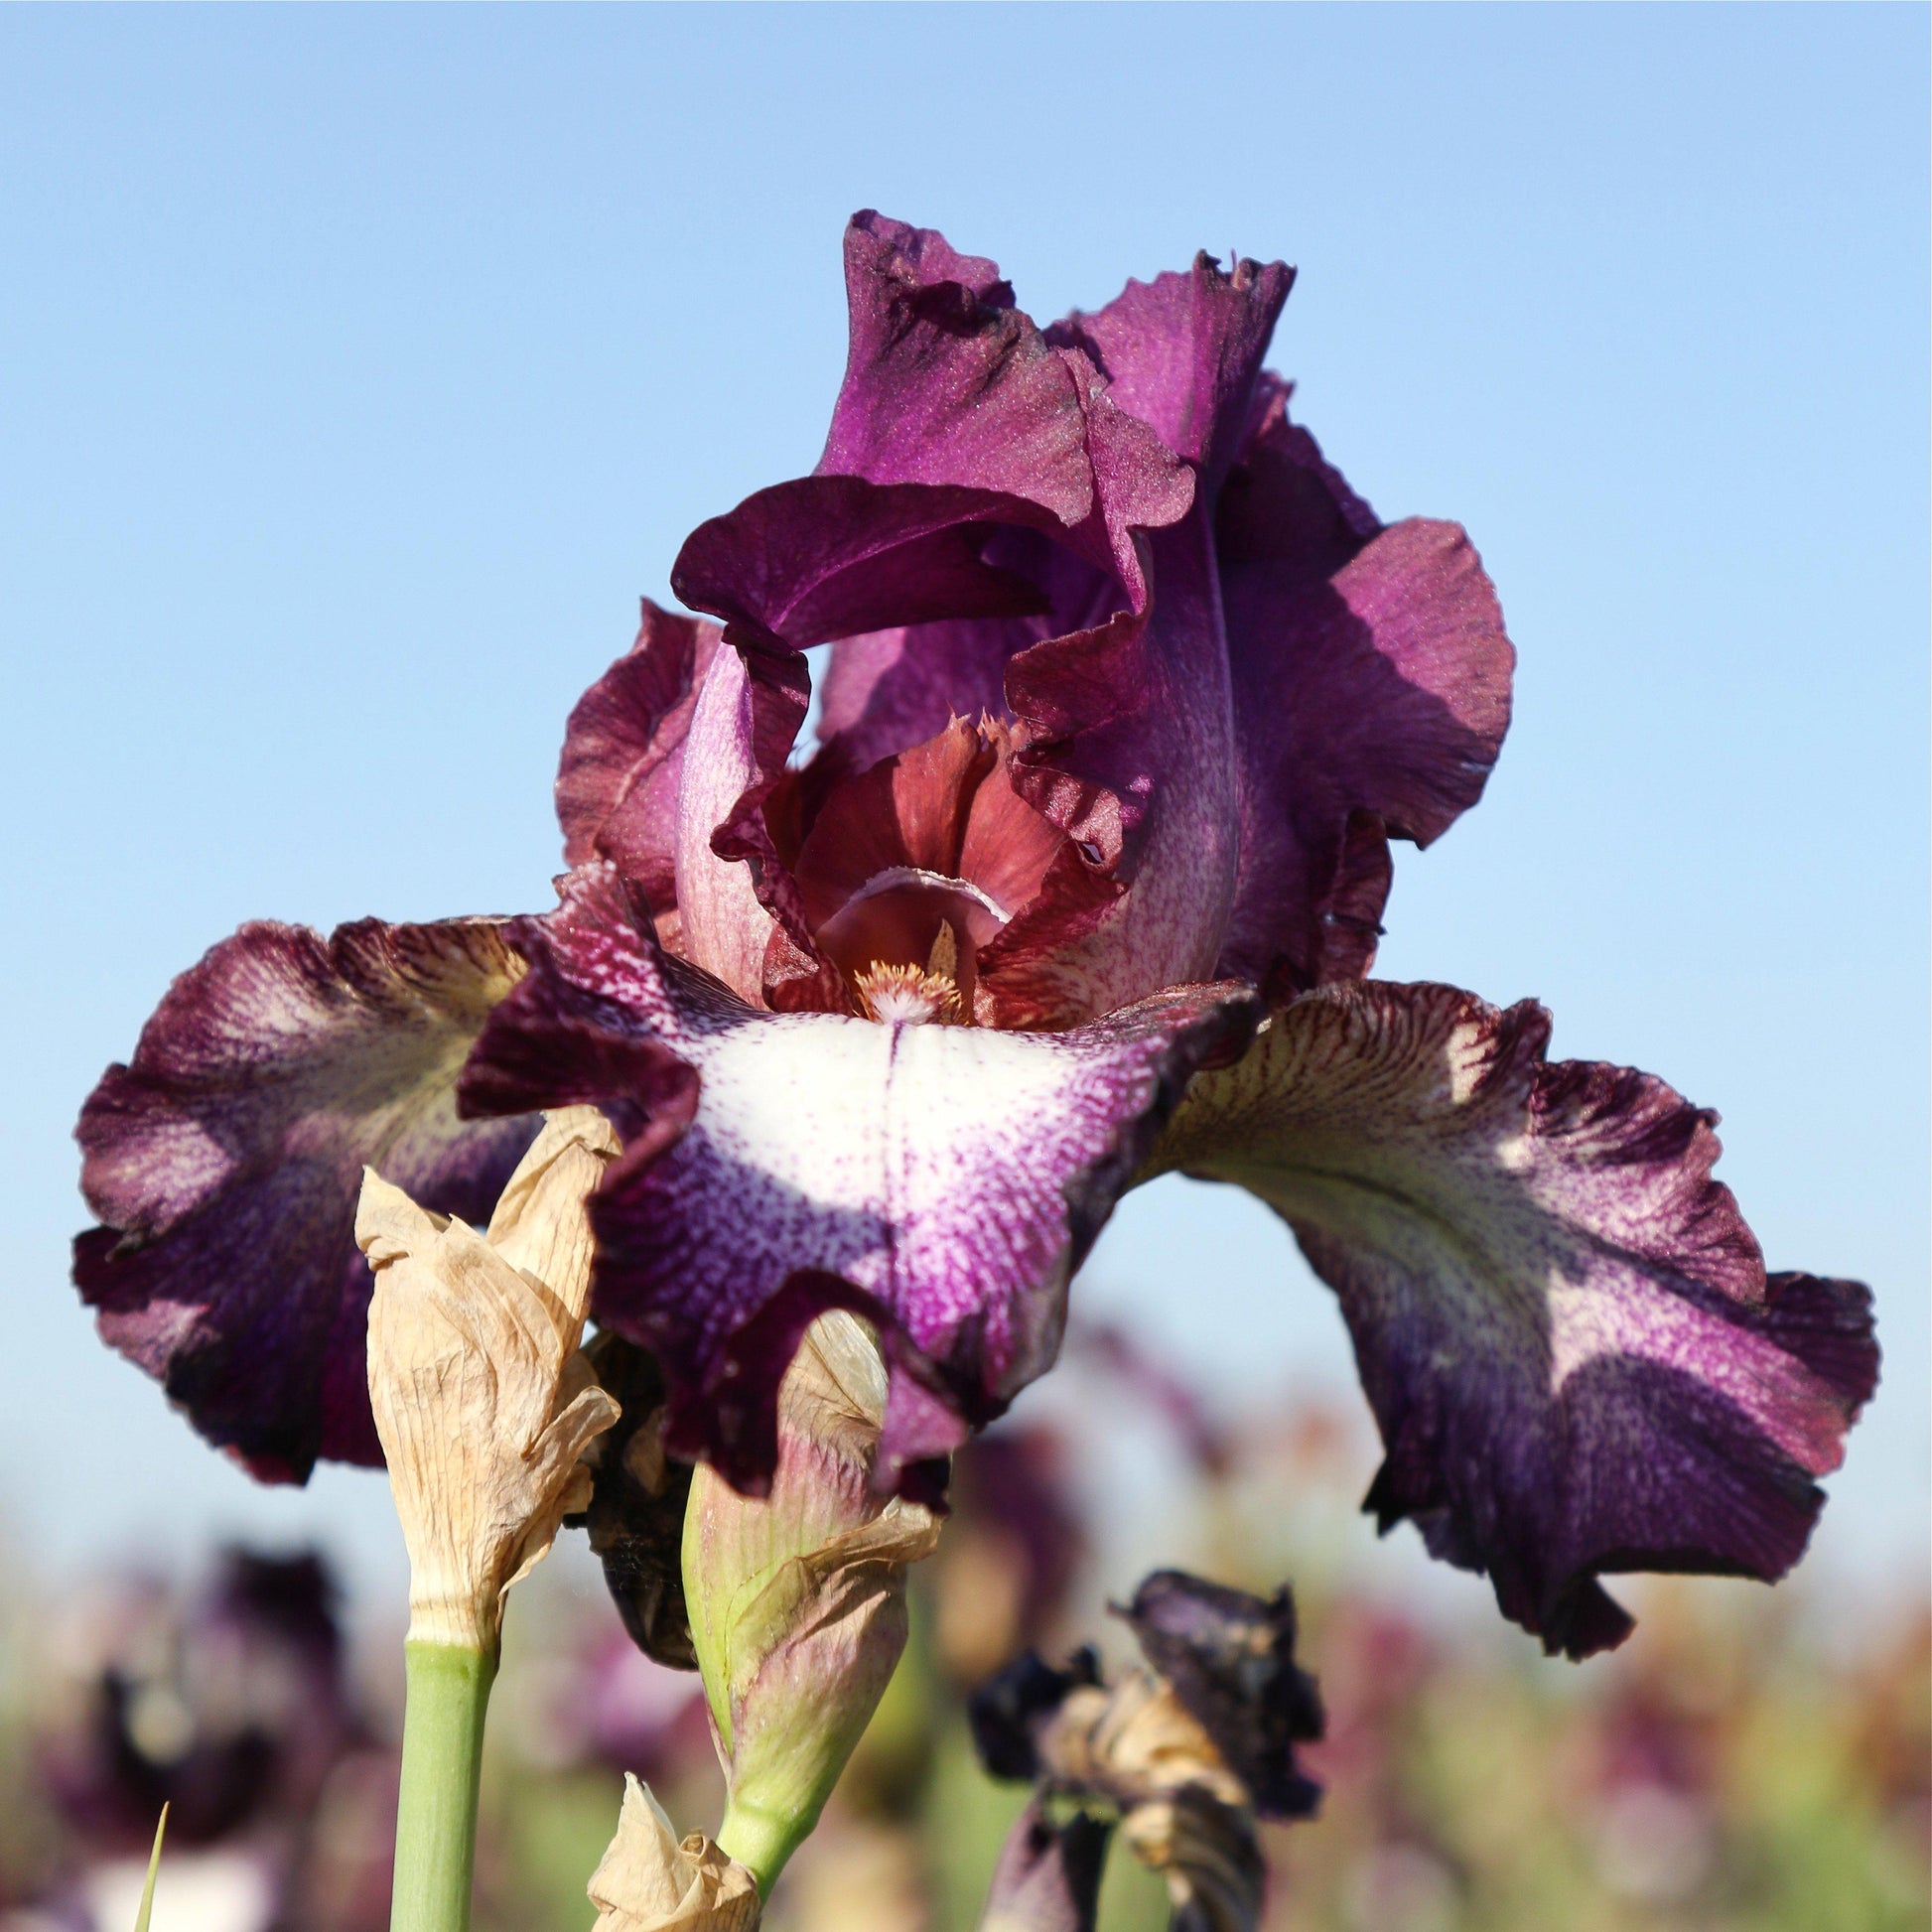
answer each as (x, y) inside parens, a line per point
(797, 1600)
(483, 1403)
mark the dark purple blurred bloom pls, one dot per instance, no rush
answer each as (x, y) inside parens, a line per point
(1128, 694)
(1230, 1657)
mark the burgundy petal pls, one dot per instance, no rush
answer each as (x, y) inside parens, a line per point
(740, 915)
(225, 1159)
(1563, 1325)
(1182, 352)
(623, 755)
(945, 1180)
(1371, 681)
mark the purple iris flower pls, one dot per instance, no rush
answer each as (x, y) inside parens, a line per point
(1128, 694)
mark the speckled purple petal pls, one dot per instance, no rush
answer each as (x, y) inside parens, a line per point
(1563, 1323)
(944, 1180)
(1371, 679)
(225, 1159)
(623, 755)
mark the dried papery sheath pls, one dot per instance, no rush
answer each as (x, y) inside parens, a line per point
(797, 1599)
(482, 1401)
(650, 1880)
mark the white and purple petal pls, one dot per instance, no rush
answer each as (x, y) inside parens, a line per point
(1565, 1328)
(224, 1161)
(945, 1180)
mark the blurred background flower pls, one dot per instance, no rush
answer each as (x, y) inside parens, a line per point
(1749, 1761)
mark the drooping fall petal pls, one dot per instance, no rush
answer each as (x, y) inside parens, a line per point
(1563, 1327)
(942, 1180)
(225, 1159)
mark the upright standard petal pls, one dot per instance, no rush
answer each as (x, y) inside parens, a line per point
(623, 755)
(942, 1180)
(1371, 679)
(1182, 352)
(1562, 1322)
(224, 1162)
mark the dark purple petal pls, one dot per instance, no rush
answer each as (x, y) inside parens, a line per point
(1562, 1322)
(1371, 681)
(635, 1515)
(1182, 352)
(225, 1160)
(1047, 1878)
(1011, 1709)
(623, 755)
(945, 1180)
(1230, 1657)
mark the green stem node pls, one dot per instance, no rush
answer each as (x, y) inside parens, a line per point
(446, 1694)
(762, 1839)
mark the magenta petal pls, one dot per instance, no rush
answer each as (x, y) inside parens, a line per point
(1182, 352)
(623, 753)
(225, 1160)
(945, 1181)
(956, 416)
(1371, 678)
(1563, 1325)
(948, 382)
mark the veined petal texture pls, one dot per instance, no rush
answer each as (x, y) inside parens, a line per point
(942, 1180)
(1565, 1328)
(224, 1162)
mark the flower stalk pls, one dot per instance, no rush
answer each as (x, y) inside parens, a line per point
(484, 1407)
(447, 1692)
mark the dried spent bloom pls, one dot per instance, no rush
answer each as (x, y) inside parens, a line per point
(797, 1599)
(482, 1401)
(1186, 1753)
(1128, 695)
(1230, 1657)
(650, 1880)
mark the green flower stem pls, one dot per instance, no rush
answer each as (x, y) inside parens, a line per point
(762, 1839)
(448, 1692)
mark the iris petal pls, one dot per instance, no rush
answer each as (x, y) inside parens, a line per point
(1563, 1327)
(1371, 678)
(623, 755)
(944, 1180)
(224, 1162)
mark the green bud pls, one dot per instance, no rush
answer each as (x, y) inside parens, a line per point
(797, 1600)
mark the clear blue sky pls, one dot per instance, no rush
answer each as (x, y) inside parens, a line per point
(358, 368)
